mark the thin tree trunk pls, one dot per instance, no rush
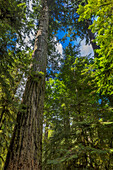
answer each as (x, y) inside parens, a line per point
(25, 151)
(91, 37)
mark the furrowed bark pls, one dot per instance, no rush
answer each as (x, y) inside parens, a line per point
(25, 151)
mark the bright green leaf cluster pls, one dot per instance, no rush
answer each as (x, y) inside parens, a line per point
(102, 12)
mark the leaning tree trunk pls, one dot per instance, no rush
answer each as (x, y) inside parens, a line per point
(25, 151)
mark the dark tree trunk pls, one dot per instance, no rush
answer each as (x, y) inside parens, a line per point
(91, 37)
(25, 151)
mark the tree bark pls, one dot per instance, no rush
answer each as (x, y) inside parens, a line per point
(91, 37)
(25, 151)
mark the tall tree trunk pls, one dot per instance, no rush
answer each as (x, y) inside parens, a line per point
(25, 151)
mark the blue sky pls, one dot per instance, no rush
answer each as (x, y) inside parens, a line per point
(60, 35)
(85, 49)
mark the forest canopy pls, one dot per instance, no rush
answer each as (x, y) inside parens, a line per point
(56, 105)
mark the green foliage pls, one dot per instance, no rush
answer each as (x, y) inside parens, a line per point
(103, 27)
(77, 126)
(78, 113)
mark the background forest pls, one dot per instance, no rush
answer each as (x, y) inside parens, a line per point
(77, 132)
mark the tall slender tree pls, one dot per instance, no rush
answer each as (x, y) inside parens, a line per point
(25, 151)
